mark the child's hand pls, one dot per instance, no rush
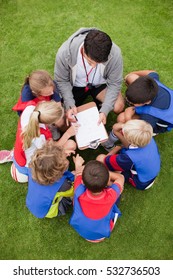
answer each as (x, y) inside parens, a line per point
(69, 152)
(73, 129)
(78, 161)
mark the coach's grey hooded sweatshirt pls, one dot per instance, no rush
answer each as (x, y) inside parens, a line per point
(65, 70)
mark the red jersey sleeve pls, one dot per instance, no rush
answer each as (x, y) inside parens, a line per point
(118, 162)
(77, 181)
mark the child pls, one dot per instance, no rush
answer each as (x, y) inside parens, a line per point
(139, 161)
(38, 86)
(152, 101)
(149, 100)
(95, 211)
(32, 133)
(49, 182)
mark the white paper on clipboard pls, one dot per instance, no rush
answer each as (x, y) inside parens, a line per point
(89, 132)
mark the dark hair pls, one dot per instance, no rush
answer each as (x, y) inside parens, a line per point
(95, 176)
(142, 90)
(97, 45)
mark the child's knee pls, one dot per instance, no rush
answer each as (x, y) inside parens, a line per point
(101, 157)
(121, 118)
(130, 78)
(119, 104)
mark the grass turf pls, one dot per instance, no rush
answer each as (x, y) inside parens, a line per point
(31, 33)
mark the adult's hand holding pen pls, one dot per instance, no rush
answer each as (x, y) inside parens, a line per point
(70, 114)
(102, 118)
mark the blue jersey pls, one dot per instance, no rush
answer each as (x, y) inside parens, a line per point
(89, 228)
(40, 197)
(146, 161)
(27, 97)
(166, 114)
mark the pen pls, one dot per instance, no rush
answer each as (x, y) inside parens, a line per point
(74, 115)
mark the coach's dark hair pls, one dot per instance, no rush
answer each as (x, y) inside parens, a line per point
(97, 45)
(142, 90)
(95, 176)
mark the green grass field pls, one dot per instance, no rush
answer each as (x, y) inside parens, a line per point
(31, 33)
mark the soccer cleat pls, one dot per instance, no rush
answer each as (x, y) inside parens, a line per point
(149, 186)
(6, 156)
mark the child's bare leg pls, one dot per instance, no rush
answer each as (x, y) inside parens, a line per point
(130, 78)
(121, 118)
(117, 127)
(119, 104)
(101, 157)
(127, 115)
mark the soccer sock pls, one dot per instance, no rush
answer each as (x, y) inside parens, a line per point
(112, 139)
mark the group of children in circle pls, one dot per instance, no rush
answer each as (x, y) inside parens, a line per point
(43, 145)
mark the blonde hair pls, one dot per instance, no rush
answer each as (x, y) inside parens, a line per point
(137, 132)
(48, 164)
(38, 80)
(48, 112)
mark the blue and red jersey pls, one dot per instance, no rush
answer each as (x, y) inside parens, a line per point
(144, 162)
(93, 215)
(40, 197)
(159, 112)
(27, 98)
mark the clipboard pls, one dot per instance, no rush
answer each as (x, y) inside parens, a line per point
(89, 134)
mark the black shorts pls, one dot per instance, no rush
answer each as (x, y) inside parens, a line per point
(80, 94)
